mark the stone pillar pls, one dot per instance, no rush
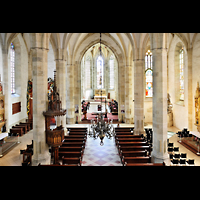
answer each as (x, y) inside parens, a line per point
(40, 147)
(121, 94)
(70, 116)
(77, 90)
(138, 96)
(159, 153)
(128, 94)
(61, 84)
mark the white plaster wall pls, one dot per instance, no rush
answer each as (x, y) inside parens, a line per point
(51, 62)
(22, 80)
(180, 111)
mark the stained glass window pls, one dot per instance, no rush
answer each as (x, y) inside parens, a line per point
(111, 72)
(100, 72)
(181, 67)
(12, 67)
(149, 74)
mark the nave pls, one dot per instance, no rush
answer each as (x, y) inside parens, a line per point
(94, 154)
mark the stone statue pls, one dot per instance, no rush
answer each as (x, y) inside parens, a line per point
(169, 104)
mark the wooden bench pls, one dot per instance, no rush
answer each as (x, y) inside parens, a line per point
(66, 161)
(56, 165)
(21, 126)
(128, 136)
(17, 130)
(133, 153)
(123, 133)
(73, 144)
(77, 133)
(124, 128)
(135, 148)
(142, 159)
(144, 164)
(129, 139)
(77, 129)
(25, 124)
(71, 149)
(131, 144)
(75, 136)
(70, 154)
(74, 139)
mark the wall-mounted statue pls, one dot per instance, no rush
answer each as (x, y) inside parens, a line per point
(169, 111)
(169, 104)
(197, 104)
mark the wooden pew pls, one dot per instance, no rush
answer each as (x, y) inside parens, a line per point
(56, 165)
(128, 140)
(77, 133)
(73, 144)
(142, 159)
(70, 154)
(124, 128)
(24, 127)
(75, 136)
(123, 133)
(144, 164)
(128, 136)
(131, 144)
(17, 130)
(134, 148)
(71, 149)
(77, 129)
(133, 153)
(74, 139)
(26, 124)
(76, 160)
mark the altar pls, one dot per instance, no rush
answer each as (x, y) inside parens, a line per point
(98, 95)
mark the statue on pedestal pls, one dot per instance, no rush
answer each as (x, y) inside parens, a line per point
(169, 104)
(169, 111)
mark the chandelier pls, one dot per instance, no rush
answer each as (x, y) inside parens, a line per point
(101, 129)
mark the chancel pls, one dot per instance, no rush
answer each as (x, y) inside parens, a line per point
(98, 75)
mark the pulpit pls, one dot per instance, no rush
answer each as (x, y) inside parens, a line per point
(55, 137)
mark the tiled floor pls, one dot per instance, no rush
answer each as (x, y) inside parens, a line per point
(96, 155)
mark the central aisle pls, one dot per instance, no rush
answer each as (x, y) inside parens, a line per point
(96, 155)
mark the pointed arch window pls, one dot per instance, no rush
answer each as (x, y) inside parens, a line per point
(181, 78)
(149, 74)
(87, 70)
(100, 72)
(12, 67)
(111, 62)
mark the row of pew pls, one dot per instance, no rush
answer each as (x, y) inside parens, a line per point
(72, 149)
(133, 149)
(21, 128)
(27, 155)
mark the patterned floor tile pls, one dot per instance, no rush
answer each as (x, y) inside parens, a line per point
(96, 155)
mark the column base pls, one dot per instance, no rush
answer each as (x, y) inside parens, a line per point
(41, 158)
(139, 132)
(70, 121)
(160, 159)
